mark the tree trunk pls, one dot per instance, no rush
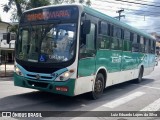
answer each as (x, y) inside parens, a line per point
(19, 10)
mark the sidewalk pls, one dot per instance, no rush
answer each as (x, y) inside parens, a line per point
(9, 70)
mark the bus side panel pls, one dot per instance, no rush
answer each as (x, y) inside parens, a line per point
(84, 84)
(86, 71)
(150, 61)
(129, 61)
(120, 77)
(111, 60)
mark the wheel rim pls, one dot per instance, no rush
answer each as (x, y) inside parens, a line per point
(98, 86)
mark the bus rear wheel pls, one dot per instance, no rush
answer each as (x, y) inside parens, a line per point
(140, 75)
(98, 87)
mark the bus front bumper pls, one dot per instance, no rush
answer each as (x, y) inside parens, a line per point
(64, 88)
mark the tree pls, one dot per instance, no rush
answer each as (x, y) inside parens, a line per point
(18, 3)
(81, 1)
(87, 2)
(37, 3)
(22, 5)
(14, 29)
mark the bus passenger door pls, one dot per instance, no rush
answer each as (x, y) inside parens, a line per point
(87, 52)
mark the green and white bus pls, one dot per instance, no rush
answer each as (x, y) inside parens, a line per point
(74, 49)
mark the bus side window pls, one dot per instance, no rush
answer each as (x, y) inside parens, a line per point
(146, 43)
(141, 45)
(135, 44)
(154, 47)
(87, 48)
(104, 42)
(90, 38)
(127, 41)
(149, 51)
(152, 50)
(138, 43)
(116, 42)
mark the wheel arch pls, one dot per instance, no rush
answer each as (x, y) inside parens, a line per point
(103, 71)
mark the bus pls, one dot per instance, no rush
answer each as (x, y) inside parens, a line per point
(74, 49)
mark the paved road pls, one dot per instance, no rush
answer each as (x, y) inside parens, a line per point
(123, 97)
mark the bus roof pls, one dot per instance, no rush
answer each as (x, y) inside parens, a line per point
(49, 6)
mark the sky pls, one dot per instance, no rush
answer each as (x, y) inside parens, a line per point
(4, 16)
(142, 14)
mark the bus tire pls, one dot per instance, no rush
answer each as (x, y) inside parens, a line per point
(98, 87)
(140, 75)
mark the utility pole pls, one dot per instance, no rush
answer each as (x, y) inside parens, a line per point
(119, 12)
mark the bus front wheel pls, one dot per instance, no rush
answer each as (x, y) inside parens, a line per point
(98, 87)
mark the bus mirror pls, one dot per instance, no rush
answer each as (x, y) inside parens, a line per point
(8, 37)
(86, 26)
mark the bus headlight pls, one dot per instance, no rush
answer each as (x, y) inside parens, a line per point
(65, 76)
(18, 71)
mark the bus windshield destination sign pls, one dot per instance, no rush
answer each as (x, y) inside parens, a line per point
(48, 15)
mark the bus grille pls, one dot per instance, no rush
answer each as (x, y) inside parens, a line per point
(38, 84)
(41, 77)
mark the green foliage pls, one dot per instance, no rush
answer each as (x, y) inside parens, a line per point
(17, 3)
(14, 29)
(88, 2)
(37, 3)
(22, 5)
(81, 1)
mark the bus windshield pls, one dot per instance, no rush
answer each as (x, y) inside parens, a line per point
(49, 43)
